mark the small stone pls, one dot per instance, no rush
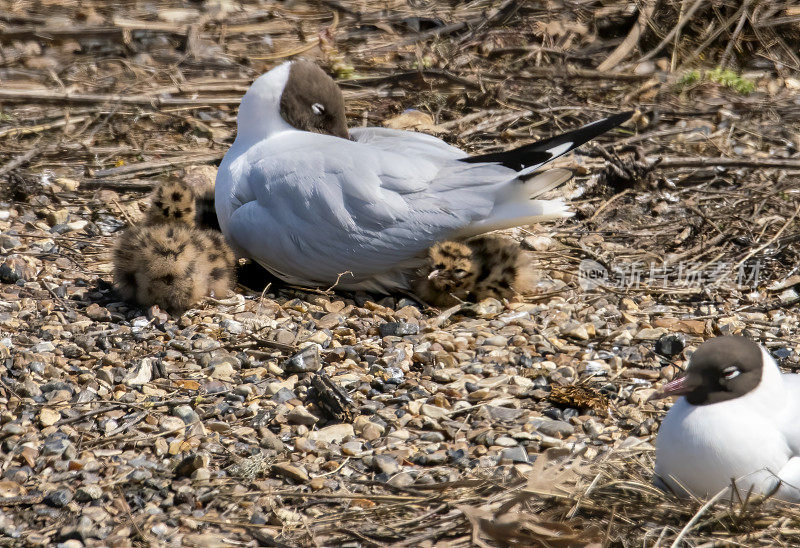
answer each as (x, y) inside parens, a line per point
(88, 493)
(59, 498)
(201, 474)
(283, 395)
(223, 371)
(398, 329)
(593, 428)
(98, 313)
(9, 242)
(45, 346)
(497, 340)
(503, 413)
(48, 417)
(433, 459)
(57, 217)
(386, 464)
(12, 429)
(186, 414)
(371, 431)
(351, 448)
(271, 441)
(317, 483)
(56, 444)
(433, 411)
(576, 331)
(290, 471)
(505, 441)
(307, 360)
(650, 333)
(432, 437)
(301, 415)
(553, 428)
(232, 326)
(332, 434)
(403, 479)
(141, 374)
(514, 454)
(671, 344)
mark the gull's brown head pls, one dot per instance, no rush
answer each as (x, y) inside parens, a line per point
(311, 101)
(721, 369)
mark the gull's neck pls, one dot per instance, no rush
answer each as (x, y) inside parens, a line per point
(771, 391)
(259, 113)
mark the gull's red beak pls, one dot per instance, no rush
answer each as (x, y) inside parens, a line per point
(675, 387)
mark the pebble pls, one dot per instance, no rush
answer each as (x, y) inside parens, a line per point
(515, 454)
(398, 329)
(383, 463)
(291, 472)
(307, 360)
(141, 374)
(58, 498)
(671, 344)
(186, 414)
(333, 433)
(300, 415)
(88, 493)
(497, 340)
(554, 428)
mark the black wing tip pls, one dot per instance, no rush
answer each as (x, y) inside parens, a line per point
(539, 152)
(594, 129)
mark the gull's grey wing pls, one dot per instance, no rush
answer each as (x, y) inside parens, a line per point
(316, 203)
(411, 142)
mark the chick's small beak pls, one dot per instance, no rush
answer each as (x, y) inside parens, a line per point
(434, 274)
(675, 387)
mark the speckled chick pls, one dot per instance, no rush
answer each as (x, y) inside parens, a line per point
(479, 268)
(171, 265)
(172, 202)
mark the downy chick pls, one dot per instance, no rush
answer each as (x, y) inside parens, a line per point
(479, 268)
(170, 265)
(176, 201)
(172, 202)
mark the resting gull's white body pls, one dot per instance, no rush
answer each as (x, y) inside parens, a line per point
(316, 208)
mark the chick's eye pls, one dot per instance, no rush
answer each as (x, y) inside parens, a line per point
(731, 372)
(460, 272)
(317, 108)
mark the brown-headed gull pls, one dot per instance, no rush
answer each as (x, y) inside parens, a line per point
(316, 204)
(738, 419)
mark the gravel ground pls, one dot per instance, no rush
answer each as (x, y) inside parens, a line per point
(292, 417)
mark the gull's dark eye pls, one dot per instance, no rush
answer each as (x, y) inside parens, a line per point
(318, 108)
(731, 372)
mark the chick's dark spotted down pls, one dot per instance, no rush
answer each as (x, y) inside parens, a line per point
(172, 202)
(479, 268)
(172, 266)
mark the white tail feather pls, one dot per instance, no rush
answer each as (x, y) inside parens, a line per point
(516, 206)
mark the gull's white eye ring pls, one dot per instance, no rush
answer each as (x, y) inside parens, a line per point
(317, 108)
(731, 372)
